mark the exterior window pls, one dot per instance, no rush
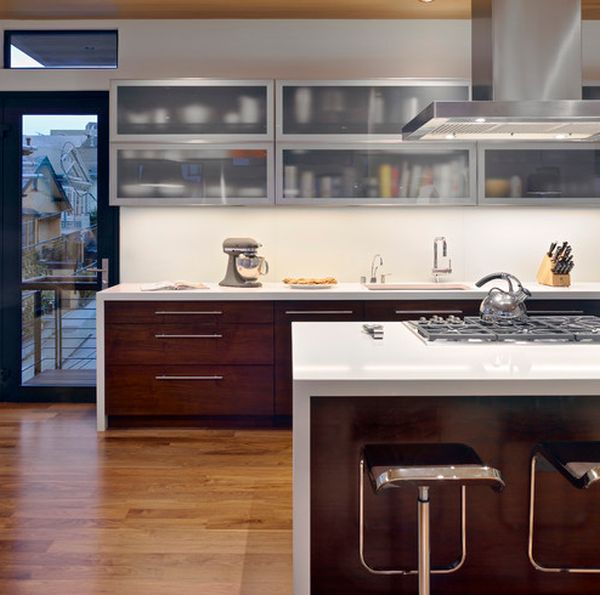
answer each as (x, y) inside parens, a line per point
(59, 49)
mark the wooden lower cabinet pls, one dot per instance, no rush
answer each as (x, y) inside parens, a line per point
(248, 344)
(200, 360)
(285, 314)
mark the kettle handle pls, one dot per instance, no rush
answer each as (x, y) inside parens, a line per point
(493, 276)
(507, 277)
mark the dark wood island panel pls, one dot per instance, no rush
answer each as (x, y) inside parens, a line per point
(503, 430)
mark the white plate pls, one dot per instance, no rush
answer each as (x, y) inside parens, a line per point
(311, 286)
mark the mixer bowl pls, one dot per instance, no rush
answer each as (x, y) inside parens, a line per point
(250, 267)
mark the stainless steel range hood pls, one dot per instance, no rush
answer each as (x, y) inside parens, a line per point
(526, 78)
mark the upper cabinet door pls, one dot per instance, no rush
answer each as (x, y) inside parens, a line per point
(357, 110)
(182, 110)
(361, 174)
(144, 174)
(532, 174)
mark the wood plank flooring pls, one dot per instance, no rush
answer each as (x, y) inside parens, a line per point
(148, 512)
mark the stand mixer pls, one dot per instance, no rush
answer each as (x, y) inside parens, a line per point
(244, 266)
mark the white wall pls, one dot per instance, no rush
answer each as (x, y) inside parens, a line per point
(186, 242)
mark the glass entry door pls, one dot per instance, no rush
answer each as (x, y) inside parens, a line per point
(59, 242)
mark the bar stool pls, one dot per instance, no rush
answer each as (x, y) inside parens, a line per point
(422, 466)
(579, 464)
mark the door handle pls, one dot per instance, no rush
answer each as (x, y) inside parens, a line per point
(103, 269)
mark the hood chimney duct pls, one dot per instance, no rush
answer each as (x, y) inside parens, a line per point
(526, 50)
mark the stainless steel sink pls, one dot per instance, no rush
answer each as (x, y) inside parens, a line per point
(417, 286)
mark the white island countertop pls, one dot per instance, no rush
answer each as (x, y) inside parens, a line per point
(336, 359)
(342, 291)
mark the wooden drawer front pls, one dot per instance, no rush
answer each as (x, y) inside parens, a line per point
(285, 314)
(562, 307)
(189, 390)
(409, 310)
(180, 344)
(198, 312)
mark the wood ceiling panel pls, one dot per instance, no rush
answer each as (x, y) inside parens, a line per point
(251, 9)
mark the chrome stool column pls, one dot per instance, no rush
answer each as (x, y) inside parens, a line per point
(423, 466)
(579, 464)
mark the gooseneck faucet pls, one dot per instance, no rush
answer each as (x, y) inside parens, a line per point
(439, 270)
(375, 264)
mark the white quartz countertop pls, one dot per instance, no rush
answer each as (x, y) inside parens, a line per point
(342, 291)
(339, 352)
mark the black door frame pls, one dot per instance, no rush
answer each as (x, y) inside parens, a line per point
(12, 106)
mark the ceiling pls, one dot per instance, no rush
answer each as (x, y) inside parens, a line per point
(251, 9)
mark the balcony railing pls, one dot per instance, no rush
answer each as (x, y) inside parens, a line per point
(59, 324)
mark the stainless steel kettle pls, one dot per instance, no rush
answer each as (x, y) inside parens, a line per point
(500, 306)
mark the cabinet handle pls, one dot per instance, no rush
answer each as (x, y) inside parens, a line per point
(188, 336)
(428, 312)
(556, 312)
(176, 313)
(308, 312)
(188, 377)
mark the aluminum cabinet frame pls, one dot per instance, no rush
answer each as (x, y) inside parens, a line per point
(115, 84)
(115, 200)
(420, 146)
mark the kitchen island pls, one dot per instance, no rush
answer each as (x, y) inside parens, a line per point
(501, 399)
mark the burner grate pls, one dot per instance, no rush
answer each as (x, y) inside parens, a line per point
(534, 328)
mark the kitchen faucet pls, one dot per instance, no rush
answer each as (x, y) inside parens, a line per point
(375, 264)
(437, 270)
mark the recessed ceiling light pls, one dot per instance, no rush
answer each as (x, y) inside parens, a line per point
(560, 136)
(480, 120)
(426, 1)
(450, 136)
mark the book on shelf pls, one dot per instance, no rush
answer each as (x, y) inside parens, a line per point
(172, 286)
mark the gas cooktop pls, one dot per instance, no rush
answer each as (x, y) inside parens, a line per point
(547, 329)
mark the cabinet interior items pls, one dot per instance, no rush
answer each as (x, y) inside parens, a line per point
(179, 109)
(209, 174)
(408, 174)
(537, 174)
(358, 107)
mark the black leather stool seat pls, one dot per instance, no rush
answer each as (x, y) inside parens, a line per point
(393, 465)
(578, 462)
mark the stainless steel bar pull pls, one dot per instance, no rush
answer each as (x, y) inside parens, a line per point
(188, 377)
(429, 312)
(195, 313)
(309, 312)
(163, 336)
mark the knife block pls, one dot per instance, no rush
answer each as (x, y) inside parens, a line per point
(545, 276)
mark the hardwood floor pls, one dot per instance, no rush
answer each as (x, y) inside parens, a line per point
(148, 512)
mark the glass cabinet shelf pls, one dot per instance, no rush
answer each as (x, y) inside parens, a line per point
(358, 174)
(179, 110)
(357, 109)
(167, 175)
(540, 174)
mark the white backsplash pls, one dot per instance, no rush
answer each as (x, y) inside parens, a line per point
(185, 242)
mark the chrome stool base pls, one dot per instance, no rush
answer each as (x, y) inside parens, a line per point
(579, 463)
(422, 466)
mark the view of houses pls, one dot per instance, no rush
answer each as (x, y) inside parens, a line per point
(59, 246)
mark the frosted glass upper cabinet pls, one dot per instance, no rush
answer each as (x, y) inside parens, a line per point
(166, 175)
(562, 174)
(353, 110)
(181, 110)
(426, 174)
